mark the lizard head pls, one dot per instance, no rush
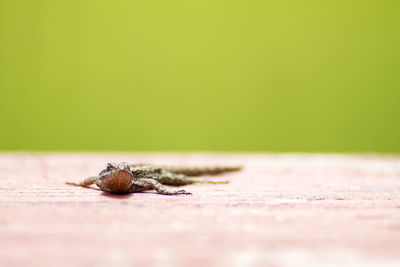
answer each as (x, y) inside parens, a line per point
(116, 178)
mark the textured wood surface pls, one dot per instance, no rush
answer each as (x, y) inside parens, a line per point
(281, 210)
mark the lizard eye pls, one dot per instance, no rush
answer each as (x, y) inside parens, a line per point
(110, 166)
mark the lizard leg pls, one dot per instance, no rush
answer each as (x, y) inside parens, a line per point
(85, 183)
(192, 180)
(137, 188)
(169, 178)
(153, 184)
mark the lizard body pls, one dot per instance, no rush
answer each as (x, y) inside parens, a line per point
(129, 178)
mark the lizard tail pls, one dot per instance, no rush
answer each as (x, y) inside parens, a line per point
(199, 171)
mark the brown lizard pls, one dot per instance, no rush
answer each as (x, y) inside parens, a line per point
(122, 177)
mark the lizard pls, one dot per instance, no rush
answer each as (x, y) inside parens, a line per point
(120, 178)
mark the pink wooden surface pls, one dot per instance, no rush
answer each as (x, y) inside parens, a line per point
(281, 210)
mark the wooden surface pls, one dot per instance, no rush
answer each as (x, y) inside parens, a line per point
(281, 210)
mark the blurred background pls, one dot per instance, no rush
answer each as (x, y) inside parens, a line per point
(284, 76)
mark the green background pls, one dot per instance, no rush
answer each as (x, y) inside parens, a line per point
(200, 75)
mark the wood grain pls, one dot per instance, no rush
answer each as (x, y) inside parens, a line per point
(280, 210)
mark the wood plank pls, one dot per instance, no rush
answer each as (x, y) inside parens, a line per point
(281, 210)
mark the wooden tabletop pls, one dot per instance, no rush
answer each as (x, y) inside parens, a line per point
(280, 210)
